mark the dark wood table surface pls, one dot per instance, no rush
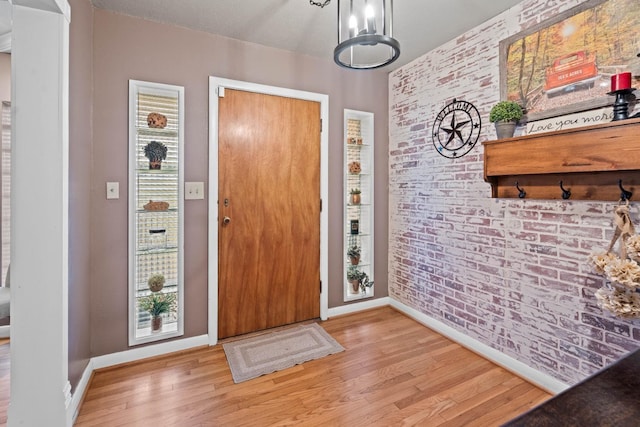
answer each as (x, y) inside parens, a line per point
(611, 397)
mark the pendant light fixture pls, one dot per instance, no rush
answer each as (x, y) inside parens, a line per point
(365, 34)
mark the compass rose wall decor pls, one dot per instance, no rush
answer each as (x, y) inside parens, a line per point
(456, 129)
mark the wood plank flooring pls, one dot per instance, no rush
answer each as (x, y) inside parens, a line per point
(394, 372)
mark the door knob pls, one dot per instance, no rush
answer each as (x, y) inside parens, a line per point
(226, 220)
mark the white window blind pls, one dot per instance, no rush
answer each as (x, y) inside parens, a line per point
(5, 188)
(156, 230)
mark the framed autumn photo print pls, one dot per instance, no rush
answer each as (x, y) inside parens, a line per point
(564, 65)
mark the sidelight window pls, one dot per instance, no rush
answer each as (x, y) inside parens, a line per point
(156, 145)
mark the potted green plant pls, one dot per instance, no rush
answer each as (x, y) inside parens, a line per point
(355, 196)
(505, 115)
(156, 282)
(353, 277)
(156, 152)
(156, 304)
(354, 254)
(358, 279)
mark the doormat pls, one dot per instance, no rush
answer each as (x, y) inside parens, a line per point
(251, 357)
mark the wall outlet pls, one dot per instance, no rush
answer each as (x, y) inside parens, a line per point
(193, 190)
(113, 190)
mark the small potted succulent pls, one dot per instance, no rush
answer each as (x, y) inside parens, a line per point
(156, 304)
(355, 196)
(156, 282)
(506, 115)
(354, 254)
(156, 152)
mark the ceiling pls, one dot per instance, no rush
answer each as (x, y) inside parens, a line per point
(296, 25)
(5, 17)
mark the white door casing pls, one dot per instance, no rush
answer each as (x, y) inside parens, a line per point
(216, 88)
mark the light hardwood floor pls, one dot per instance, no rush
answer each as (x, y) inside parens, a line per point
(394, 372)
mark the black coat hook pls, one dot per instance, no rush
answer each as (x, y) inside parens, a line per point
(521, 193)
(625, 194)
(565, 193)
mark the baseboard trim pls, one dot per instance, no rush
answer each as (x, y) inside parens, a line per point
(540, 379)
(5, 331)
(359, 306)
(78, 393)
(145, 352)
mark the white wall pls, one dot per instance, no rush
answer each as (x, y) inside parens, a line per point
(5, 77)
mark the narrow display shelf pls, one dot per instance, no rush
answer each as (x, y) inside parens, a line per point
(144, 130)
(163, 171)
(156, 234)
(353, 296)
(169, 329)
(167, 250)
(169, 210)
(361, 264)
(358, 126)
(169, 288)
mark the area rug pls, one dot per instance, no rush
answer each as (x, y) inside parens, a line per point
(251, 357)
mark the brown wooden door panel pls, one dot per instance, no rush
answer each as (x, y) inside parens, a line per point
(269, 171)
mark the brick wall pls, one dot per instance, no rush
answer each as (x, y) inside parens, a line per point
(509, 273)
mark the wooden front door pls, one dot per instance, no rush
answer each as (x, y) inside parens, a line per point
(269, 211)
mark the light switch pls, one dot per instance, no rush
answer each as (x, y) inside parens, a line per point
(113, 190)
(193, 190)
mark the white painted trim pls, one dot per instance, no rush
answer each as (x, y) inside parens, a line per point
(145, 352)
(66, 391)
(80, 390)
(214, 84)
(40, 58)
(136, 87)
(365, 215)
(5, 331)
(212, 219)
(56, 6)
(359, 306)
(5, 43)
(540, 379)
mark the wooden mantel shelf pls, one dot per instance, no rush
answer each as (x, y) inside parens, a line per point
(589, 161)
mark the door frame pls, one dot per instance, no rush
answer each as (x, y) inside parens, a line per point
(214, 84)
